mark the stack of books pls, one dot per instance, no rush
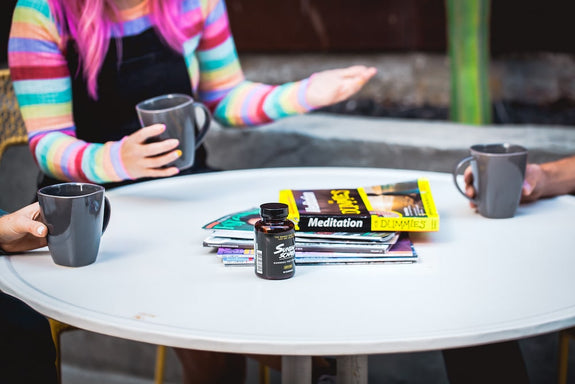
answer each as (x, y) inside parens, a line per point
(338, 226)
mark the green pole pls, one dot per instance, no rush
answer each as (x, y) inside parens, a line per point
(468, 46)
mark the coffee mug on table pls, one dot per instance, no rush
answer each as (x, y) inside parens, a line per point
(498, 174)
(178, 113)
(76, 215)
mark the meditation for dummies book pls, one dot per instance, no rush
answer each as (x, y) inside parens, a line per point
(406, 206)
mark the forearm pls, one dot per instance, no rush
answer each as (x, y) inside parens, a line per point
(66, 158)
(43, 86)
(252, 103)
(222, 85)
(559, 177)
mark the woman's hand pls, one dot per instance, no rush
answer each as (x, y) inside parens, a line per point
(142, 159)
(19, 231)
(335, 85)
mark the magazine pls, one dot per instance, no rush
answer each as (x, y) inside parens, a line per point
(240, 225)
(237, 225)
(309, 245)
(401, 251)
(406, 206)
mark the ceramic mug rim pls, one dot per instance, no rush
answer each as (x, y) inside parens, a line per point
(91, 190)
(490, 149)
(143, 105)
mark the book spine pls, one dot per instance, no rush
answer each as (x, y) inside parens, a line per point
(367, 224)
(427, 197)
(286, 197)
(405, 224)
(327, 223)
(343, 250)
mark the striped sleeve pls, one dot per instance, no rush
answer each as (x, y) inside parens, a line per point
(222, 87)
(43, 87)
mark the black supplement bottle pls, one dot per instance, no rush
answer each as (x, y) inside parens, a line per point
(274, 243)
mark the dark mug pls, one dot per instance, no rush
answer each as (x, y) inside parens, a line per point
(76, 215)
(178, 113)
(498, 174)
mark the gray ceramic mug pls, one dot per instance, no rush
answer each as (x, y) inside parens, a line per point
(178, 113)
(76, 215)
(498, 174)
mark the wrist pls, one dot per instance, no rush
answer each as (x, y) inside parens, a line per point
(303, 95)
(311, 101)
(118, 162)
(556, 179)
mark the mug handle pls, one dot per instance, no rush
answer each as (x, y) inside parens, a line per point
(208, 119)
(107, 214)
(465, 162)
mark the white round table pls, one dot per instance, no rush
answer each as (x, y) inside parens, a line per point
(478, 280)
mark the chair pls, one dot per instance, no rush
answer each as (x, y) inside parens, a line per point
(564, 337)
(57, 328)
(13, 132)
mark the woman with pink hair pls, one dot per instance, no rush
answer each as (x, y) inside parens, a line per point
(79, 68)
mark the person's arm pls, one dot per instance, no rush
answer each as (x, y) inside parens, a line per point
(19, 231)
(236, 101)
(549, 179)
(43, 86)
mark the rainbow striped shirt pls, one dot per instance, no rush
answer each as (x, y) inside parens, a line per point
(43, 86)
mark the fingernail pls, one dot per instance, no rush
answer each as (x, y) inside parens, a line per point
(178, 153)
(527, 188)
(40, 230)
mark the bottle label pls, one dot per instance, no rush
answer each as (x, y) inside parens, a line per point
(275, 254)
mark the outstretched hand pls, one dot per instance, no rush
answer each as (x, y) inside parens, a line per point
(19, 231)
(335, 85)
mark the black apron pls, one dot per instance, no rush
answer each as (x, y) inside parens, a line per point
(148, 68)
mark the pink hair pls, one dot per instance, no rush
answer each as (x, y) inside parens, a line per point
(89, 23)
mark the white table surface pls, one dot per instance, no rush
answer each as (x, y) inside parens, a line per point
(479, 280)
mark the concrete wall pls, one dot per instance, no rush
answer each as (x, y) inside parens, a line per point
(415, 79)
(334, 140)
(331, 140)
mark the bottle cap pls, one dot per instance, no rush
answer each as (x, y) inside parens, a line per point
(274, 211)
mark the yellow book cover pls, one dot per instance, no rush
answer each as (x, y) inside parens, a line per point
(407, 206)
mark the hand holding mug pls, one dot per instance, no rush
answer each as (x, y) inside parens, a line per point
(76, 215)
(498, 173)
(531, 190)
(143, 157)
(178, 113)
(19, 231)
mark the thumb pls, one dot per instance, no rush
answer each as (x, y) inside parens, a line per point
(527, 188)
(35, 228)
(39, 229)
